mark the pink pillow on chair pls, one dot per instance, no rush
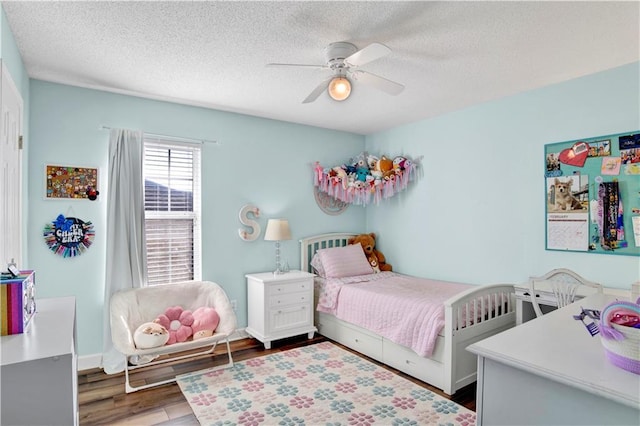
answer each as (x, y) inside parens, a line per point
(178, 322)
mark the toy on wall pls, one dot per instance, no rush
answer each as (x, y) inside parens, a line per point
(68, 236)
(92, 193)
(254, 226)
(366, 178)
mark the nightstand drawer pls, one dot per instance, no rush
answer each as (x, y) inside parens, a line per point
(290, 317)
(275, 289)
(289, 299)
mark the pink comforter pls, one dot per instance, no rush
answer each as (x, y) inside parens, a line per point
(407, 310)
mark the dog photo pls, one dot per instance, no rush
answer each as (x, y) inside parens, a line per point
(567, 194)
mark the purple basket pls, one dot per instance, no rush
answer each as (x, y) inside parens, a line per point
(623, 362)
(621, 344)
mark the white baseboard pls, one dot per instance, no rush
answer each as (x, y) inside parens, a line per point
(88, 362)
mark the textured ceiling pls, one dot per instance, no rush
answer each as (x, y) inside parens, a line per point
(449, 55)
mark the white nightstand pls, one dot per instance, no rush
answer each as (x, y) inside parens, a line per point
(280, 305)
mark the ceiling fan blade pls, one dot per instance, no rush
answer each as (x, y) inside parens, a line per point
(322, 67)
(367, 54)
(317, 91)
(380, 83)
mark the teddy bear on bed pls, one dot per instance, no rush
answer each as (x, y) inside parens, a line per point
(375, 257)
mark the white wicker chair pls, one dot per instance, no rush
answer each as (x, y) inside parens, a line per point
(563, 283)
(131, 308)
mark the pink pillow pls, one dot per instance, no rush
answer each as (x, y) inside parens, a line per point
(344, 261)
(316, 264)
(178, 322)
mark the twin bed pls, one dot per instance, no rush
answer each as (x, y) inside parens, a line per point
(418, 326)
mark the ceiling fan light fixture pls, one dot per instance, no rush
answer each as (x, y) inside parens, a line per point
(339, 88)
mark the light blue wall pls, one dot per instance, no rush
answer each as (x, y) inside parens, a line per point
(477, 213)
(259, 161)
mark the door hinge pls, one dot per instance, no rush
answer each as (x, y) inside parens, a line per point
(20, 142)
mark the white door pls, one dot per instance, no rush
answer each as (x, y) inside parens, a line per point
(11, 171)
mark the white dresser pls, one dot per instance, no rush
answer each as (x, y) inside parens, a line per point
(39, 368)
(280, 306)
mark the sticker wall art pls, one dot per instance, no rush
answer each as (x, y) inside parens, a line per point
(71, 182)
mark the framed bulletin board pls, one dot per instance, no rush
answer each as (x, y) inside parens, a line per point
(592, 194)
(70, 182)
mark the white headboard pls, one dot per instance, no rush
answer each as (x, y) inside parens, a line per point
(309, 246)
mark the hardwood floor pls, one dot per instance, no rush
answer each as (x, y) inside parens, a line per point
(102, 399)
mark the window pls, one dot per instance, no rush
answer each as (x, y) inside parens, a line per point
(172, 211)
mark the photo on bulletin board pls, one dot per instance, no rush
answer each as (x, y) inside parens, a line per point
(592, 191)
(71, 182)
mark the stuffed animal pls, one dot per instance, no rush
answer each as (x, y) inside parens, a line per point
(178, 322)
(205, 321)
(398, 163)
(372, 160)
(375, 257)
(360, 160)
(384, 166)
(373, 261)
(342, 175)
(362, 173)
(150, 335)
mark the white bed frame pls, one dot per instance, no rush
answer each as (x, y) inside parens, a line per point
(450, 367)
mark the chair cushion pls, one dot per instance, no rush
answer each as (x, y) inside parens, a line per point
(131, 308)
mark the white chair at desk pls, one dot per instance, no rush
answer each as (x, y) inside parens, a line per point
(564, 285)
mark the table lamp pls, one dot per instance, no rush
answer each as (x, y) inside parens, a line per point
(277, 230)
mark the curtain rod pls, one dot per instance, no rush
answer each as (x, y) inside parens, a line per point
(168, 137)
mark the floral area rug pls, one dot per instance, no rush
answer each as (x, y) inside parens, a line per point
(319, 384)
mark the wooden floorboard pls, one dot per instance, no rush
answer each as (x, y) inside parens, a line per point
(102, 398)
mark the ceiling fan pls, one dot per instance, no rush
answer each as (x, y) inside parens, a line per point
(343, 59)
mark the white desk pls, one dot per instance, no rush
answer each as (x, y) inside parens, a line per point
(550, 371)
(547, 301)
(39, 379)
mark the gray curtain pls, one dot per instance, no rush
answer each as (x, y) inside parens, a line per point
(126, 253)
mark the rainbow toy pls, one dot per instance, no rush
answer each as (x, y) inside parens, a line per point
(17, 303)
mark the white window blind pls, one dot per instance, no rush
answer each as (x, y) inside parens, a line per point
(172, 211)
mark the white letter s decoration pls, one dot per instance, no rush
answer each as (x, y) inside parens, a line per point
(252, 224)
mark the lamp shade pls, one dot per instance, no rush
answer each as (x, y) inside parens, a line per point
(277, 230)
(339, 88)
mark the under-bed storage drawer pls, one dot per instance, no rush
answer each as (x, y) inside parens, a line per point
(354, 337)
(407, 360)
